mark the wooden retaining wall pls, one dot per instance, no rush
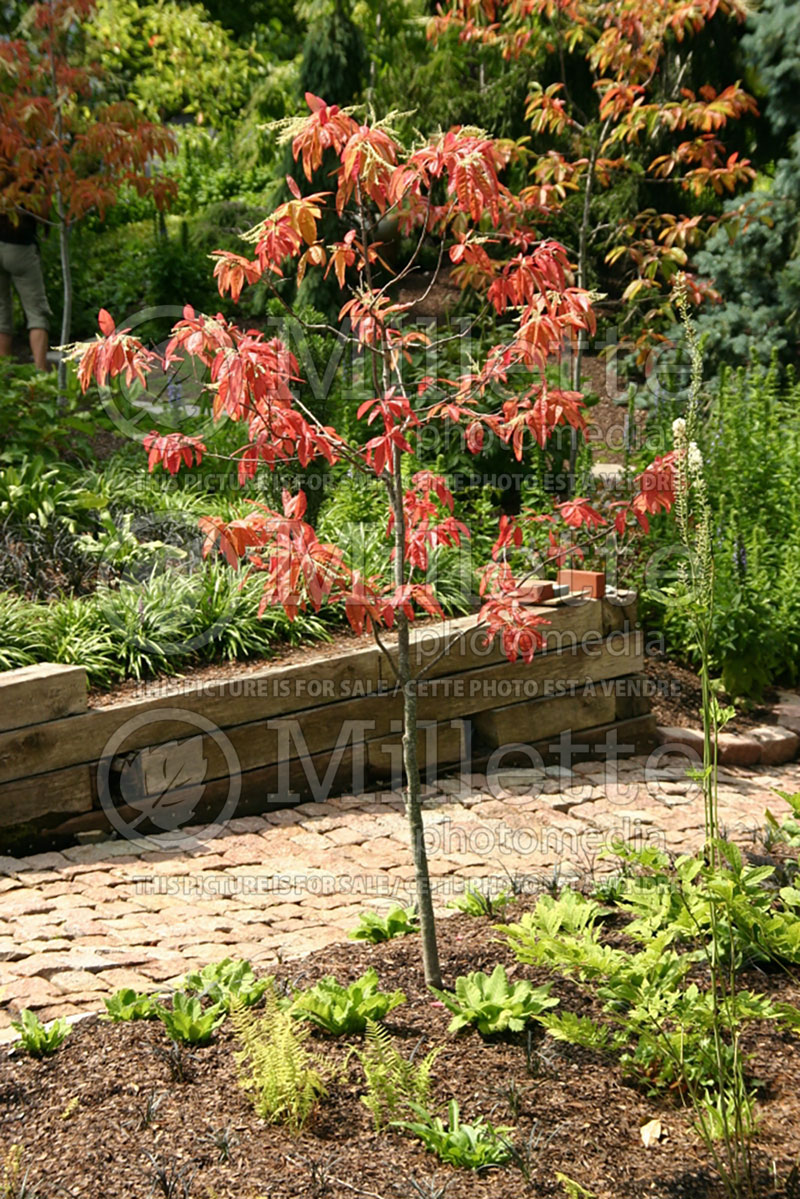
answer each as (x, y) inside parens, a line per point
(327, 723)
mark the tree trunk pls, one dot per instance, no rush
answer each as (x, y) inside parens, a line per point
(66, 272)
(583, 236)
(430, 952)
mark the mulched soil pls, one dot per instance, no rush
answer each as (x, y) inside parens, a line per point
(342, 642)
(79, 1116)
(677, 701)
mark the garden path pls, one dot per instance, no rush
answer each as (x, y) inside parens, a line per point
(75, 926)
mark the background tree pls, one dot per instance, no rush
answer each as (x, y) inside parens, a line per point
(448, 190)
(626, 132)
(67, 152)
(753, 258)
(172, 61)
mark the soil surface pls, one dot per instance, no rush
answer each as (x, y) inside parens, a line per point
(342, 641)
(82, 1123)
(677, 701)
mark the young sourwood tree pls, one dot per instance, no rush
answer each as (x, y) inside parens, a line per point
(447, 192)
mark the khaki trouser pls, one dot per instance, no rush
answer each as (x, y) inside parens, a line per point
(22, 266)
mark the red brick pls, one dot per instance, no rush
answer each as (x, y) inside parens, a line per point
(592, 582)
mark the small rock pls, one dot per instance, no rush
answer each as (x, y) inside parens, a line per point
(738, 750)
(691, 738)
(778, 744)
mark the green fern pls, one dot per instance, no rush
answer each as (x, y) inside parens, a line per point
(393, 1081)
(577, 1030)
(275, 1068)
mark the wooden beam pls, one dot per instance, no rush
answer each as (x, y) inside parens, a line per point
(35, 694)
(28, 799)
(539, 718)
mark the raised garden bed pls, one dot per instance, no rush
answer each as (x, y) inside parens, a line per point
(262, 738)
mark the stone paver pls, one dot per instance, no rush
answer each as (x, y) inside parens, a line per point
(75, 926)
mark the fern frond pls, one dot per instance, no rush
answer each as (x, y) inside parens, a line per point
(393, 1081)
(274, 1066)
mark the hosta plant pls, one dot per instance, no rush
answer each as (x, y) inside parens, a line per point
(492, 1004)
(127, 1004)
(188, 1022)
(337, 1009)
(226, 981)
(37, 1038)
(375, 928)
(472, 1146)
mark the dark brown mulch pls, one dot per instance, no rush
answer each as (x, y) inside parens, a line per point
(79, 1117)
(342, 641)
(677, 701)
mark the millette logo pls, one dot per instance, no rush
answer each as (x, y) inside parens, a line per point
(164, 791)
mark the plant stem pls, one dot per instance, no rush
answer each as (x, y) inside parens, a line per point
(427, 924)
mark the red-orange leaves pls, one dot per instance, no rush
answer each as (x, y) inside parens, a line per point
(539, 417)
(368, 160)
(327, 128)
(656, 485)
(423, 529)
(115, 353)
(200, 336)
(368, 314)
(342, 255)
(579, 512)
(470, 164)
(172, 450)
(547, 112)
(298, 568)
(529, 277)
(291, 226)
(517, 625)
(232, 271)
(106, 322)
(379, 451)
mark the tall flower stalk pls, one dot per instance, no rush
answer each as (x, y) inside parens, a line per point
(725, 1123)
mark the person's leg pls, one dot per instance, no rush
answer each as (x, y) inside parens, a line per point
(27, 275)
(40, 344)
(6, 311)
